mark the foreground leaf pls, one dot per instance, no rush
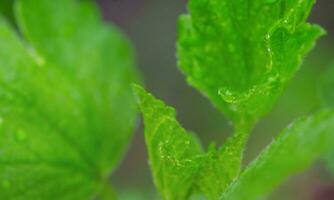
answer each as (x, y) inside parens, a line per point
(294, 150)
(59, 94)
(219, 167)
(173, 152)
(242, 53)
(180, 168)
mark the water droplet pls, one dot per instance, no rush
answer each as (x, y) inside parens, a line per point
(20, 135)
(268, 36)
(272, 79)
(227, 95)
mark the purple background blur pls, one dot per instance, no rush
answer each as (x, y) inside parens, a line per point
(151, 25)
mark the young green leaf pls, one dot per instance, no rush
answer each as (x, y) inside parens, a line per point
(67, 110)
(219, 167)
(173, 152)
(294, 150)
(242, 53)
(180, 168)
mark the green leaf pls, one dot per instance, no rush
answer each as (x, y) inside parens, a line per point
(242, 53)
(294, 150)
(173, 152)
(180, 168)
(219, 167)
(66, 106)
(6, 9)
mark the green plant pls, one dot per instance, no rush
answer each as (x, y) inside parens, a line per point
(241, 55)
(67, 110)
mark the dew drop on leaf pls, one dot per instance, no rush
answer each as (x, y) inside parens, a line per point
(227, 95)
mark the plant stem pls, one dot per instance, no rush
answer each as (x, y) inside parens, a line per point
(241, 134)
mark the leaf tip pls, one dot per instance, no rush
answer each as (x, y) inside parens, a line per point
(138, 91)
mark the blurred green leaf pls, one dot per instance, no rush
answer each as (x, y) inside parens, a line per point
(295, 149)
(6, 9)
(67, 110)
(173, 152)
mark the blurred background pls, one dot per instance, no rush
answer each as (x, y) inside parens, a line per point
(151, 25)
